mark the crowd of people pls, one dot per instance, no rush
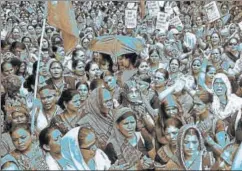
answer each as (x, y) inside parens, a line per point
(176, 105)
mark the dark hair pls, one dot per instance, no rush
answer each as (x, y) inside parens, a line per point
(44, 136)
(16, 45)
(75, 53)
(75, 63)
(124, 116)
(138, 62)
(172, 59)
(28, 82)
(163, 71)
(4, 44)
(80, 83)
(58, 62)
(88, 65)
(107, 58)
(66, 96)
(4, 63)
(172, 122)
(132, 57)
(26, 37)
(153, 50)
(106, 73)
(83, 133)
(97, 82)
(209, 67)
(39, 38)
(25, 126)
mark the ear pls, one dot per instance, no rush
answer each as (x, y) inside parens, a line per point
(46, 147)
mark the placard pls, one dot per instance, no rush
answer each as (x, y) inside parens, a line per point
(212, 11)
(240, 25)
(176, 22)
(153, 8)
(162, 21)
(161, 3)
(130, 18)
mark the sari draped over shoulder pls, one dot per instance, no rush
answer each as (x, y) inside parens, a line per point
(94, 117)
(73, 158)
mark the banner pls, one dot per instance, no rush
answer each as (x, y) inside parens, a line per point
(61, 15)
(162, 21)
(212, 11)
(130, 18)
(153, 8)
(176, 22)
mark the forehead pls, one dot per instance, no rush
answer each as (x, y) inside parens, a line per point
(218, 80)
(196, 62)
(171, 128)
(90, 138)
(15, 114)
(76, 97)
(130, 118)
(55, 65)
(47, 92)
(191, 138)
(94, 66)
(159, 74)
(108, 77)
(82, 86)
(20, 132)
(55, 133)
(7, 66)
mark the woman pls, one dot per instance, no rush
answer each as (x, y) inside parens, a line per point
(154, 60)
(80, 151)
(78, 67)
(143, 69)
(27, 155)
(70, 102)
(226, 106)
(98, 114)
(14, 35)
(168, 152)
(191, 152)
(83, 89)
(126, 146)
(92, 71)
(174, 72)
(50, 142)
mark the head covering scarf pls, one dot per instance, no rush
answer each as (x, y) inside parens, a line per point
(73, 159)
(234, 103)
(125, 151)
(197, 164)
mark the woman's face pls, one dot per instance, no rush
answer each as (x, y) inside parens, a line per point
(45, 44)
(107, 100)
(187, 19)
(143, 68)
(8, 69)
(215, 39)
(94, 70)
(74, 104)
(88, 147)
(85, 43)
(83, 90)
(190, 145)
(215, 55)
(127, 126)
(171, 133)
(22, 67)
(110, 82)
(31, 30)
(27, 42)
(159, 80)
(219, 87)
(133, 94)
(16, 33)
(55, 141)
(224, 9)
(199, 21)
(80, 68)
(38, 30)
(171, 111)
(18, 117)
(104, 65)
(232, 28)
(233, 45)
(34, 22)
(21, 139)
(196, 65)
(56, 71)
(210, 74)
(154, 57)
(199, 107)
(174, 66)
(97, 57)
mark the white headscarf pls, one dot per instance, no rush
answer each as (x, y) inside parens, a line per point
(73, 157)
(234, 102)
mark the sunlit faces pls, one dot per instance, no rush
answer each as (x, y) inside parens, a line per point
(215, 39)
(143, 67)
(191, 145)
(196, 66)
(56, 71)
(154, 57)
(198, 106)
(88, 147)
(110, 82)
(80, 55)
(31, 30)
(199, 21)
(18, 117)
(127, 126)
(16, 33)
(8, 69)
(171, 111)
(80, 68)
(233, 44)
(21, 139)
(215, 55)
(48, 98)
(171, 133)
(45, 44)
(54, 145)
(74, 104)
(211, 73)
(107, 100)
(159, 79)
(133, 94)
(94, 70)
(83, 90)
(219, 87)
(174, 66)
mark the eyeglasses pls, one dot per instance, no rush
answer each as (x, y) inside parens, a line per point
(196, 65)
(92, 147)
(231, 44)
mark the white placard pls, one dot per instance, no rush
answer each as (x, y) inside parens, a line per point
(153, 8)
(162, 22)
(176, 22)
(168, 10)
(161, 3)
(212, 11)
(240, 25)
(130, 18)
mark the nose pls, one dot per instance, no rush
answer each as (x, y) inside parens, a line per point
(172, 136)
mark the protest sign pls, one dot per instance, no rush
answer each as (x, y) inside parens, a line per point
(212, 11)
(153, 8)
(161, 3)
(130, 18)
(176, 22)
(162, 22)
(168, 10)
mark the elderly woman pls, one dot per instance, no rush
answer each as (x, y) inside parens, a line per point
(126, 146)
